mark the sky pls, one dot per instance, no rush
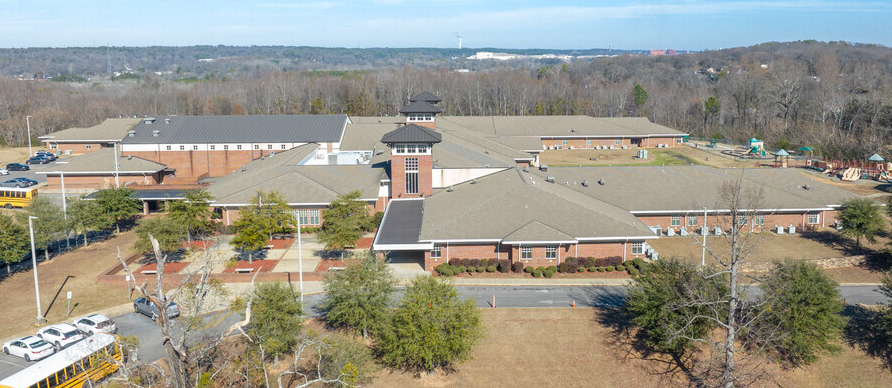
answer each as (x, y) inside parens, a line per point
(556, 24)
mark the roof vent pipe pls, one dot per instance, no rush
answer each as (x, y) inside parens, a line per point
(473, 181)
(167, 120)
(549, 179)
(584, 183)
(131, 133)
(601, 182)
(155, 133)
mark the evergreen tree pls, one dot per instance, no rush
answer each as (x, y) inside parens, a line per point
(343, 221)
(359, 296)
(193, 212)
(50, 225)
(86, 216)
(13, 241)
(118, 205)
(861, 218)
(167, 231)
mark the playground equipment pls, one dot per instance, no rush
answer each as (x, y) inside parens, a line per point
(851, 174)
(781, 158)
(757, 147)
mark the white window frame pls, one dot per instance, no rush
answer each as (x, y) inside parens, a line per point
(675, 221)
(194, 147)
(637, 248)
(52, 146)
(437, 251)
(742, 220)
(226, 146)
(283, 147)
(411, 169)
(88, 146)
(269, 146)
(589, 142)
(526, 253)
(182, 147)
(617, 142)
(813, 218)
(551, 252)
(693, 221)
(168, 148)
(256, 146)
(238, 146)
(759, 220)
(213, 147)
(308, 217)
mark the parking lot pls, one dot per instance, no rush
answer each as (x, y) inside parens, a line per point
(31, 174)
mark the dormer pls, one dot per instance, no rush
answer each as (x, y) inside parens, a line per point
(420, 113)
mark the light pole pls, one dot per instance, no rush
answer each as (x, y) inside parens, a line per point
(117, 182)
(40, 319)
(64, 201)
(705, 233)
(28, 121)
(300, 260)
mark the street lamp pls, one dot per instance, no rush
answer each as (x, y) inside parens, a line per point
(300, 260)
(40, 319)
(28, 121)
(705, 233)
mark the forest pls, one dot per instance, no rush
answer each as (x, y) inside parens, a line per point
(833, 96)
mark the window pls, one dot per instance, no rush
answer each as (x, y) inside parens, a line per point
(226, 146)
(617, 142)
(308, 216)
(400, 149)
(269, 146)
(410, 148)
(437, 252)
(238, 146)
(742, 220)
(759, 220)
(565, 142)
(637, 248)
(588, 142)
(182, 148)
(213, 147)
(550, 252)
(526, 253)
(88, 146)
(195, 148)
(283, 146)
(256, 146)
(167, 148)
(52, 146)
(675, 221)
(692, 221)
(813, 218)
(678, 140)
(412, 175)
(422, 149)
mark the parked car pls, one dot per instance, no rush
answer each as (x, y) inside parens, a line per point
(46, 154)
(19, 182)
(37, 160)
(147, 308)
(30, 348)
(17, 167)
(60, 335)
(4, 172)
(96, 323)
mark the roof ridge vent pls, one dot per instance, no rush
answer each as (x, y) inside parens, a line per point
(131, 133)
(473, 181)
(148, 120)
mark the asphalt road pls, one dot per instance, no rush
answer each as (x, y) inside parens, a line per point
(149, 332)
(30, 174)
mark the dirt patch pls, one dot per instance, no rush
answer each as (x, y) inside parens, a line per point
(76, 272)
(168, 268)
(256, 265)
(364, 243)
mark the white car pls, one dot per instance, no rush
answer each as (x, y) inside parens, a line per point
(96, 323)
(60, 335)
(30, 348)
(4, 172)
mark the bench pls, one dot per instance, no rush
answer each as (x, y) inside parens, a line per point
(270, 246)
(244, 270)
(336, 268)
(150, 272)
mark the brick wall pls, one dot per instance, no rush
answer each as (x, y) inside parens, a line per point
(73, 182)
(74, 148)
(509, 252)
(581, 143)
(193, 165)
(398, 176)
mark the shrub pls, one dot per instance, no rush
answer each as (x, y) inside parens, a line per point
(446, 272)
(474, 262)
(455, 262)
(551, 268)
(609, 261)
(540, 268)
(590, 262)
(481, 269)
(466, 262)
(639, 262)
(537, 273)
(470, 269)
(491, 268)
(628, 263)
(633, 271)
(442, 267)
(517, 267)
(492, 261)
(620, 268)
(563, 267)
(548, 273)
(592, 269)
(609, 268)
(504, 266)
(529, 269)
(581, 269)
(571, 260)
(460, 269)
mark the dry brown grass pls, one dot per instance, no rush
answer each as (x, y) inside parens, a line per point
(770, 247)
(75, 271)
(14, 155)
(570, 348)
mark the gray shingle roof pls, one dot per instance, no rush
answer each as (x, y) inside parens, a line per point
(426, 97)
(108, 131)
(537, 231)
(419, 107)
(239, 129)
(102, 161)
(401, 224)
(557, 126)
(412, 134)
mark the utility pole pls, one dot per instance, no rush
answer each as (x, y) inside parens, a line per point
(28, 121)
(40, 319)
(705, 233)
(64, 201)
(117, 182)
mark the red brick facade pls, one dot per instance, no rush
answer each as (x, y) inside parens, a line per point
(74, 182)
(193, 165)
(74, 148)
(512, 252)
(398, 176)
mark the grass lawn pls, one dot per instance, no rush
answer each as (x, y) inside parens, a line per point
(682, 155)
(15, 154)
(75, 271)
(562, 347)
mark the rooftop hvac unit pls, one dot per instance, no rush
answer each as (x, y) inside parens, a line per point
(584, 183)
(167, 120)
(543, 167)
(449, 189)
(473, 181)
(526, 169)
(601, 182)
(549, 179)
(131, 133)
(148, 120)
(155, 133)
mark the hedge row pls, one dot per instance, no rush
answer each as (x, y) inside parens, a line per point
(572, 265)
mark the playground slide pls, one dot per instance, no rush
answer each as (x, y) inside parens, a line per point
(851, 174)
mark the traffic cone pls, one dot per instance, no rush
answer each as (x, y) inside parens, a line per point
(574, 304)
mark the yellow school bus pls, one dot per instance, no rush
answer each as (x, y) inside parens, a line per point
(17, 197)
(80, 365)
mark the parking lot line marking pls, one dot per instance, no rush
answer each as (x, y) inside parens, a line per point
(13, 364)
(218, 319)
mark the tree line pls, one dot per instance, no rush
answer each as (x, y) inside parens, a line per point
(834, 97)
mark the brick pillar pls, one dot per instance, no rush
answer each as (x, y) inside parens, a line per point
(398, 176)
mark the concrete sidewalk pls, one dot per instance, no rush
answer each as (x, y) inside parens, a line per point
(531, 281)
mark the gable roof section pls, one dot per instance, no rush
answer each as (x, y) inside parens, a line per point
(102, 162)
(108, 131)
(419, 107)
(536, 231)
(240, 129)
(558, 126)
(412, 134)
(400, 226)
(426, 97)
